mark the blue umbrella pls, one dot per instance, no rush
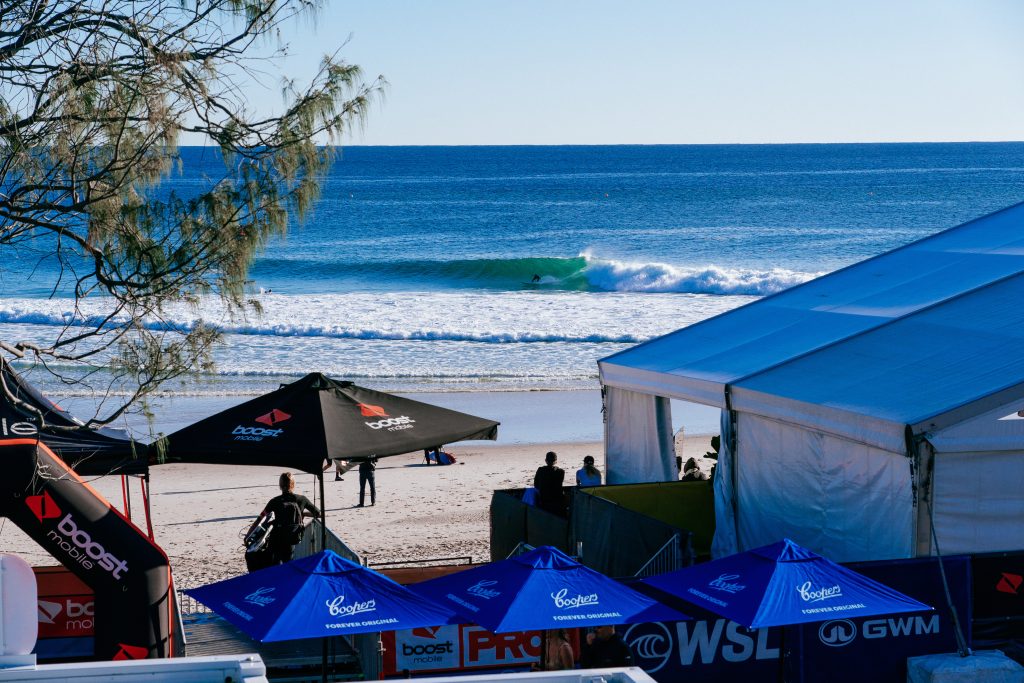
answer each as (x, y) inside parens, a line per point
(782, 584)
(542, 589)
(316, 596)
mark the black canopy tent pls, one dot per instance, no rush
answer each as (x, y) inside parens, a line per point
(87, 451)
(316, 418)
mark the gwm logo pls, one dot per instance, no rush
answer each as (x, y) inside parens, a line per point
(272, 418)
(74, 541)
(837, 633)
(42, 506)
(1009, 583)
(392, 424)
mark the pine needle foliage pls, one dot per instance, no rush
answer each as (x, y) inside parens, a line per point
(94, 98)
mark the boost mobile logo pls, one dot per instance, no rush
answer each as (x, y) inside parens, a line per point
(77, 543)
(392, 424)
(272, 418)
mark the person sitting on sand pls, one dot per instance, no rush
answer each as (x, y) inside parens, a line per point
(691, 472)
(548, 482)
(588, 475)
(287, 509)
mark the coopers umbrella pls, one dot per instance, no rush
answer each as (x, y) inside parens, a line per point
(317, 596)
(316, 417)
(542, 589)
(782, 584)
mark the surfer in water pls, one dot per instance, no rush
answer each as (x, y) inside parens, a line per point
(536, 279)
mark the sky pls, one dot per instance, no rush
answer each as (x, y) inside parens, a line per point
(511, 72)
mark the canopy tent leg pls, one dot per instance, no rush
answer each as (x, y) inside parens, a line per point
(144, 481)
(323, 514)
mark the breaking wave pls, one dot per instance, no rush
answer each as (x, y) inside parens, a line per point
(583, 273)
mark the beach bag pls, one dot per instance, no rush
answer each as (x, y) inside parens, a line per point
(258, 559)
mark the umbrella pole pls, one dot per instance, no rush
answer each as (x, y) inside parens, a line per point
(323, 518)
(323, 664)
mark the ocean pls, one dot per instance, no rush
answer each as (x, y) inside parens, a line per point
(415, 272)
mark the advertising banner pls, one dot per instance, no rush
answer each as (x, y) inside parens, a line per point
(67, 608)
(462, 648)
(998, 600)
(710, 648)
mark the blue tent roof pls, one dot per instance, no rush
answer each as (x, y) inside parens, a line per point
(541, 589)
(883, 338)
(782, 584)
(316, 596)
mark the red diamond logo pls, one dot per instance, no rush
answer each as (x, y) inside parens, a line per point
(42, 506)
(426, 632)
(371, 411)
(273, 417)
(1009, 583)
(131, 652)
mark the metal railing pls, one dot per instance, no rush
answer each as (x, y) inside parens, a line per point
(520, 549)
(667, 558)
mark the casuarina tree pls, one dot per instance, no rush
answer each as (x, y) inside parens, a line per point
(95, 97)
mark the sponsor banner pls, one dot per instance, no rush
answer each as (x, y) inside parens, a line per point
(867, 649)
(66, 614)
(461, 648)
(998, 585)
(877, 648)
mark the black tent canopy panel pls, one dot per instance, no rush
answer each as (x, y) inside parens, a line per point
(316, 418)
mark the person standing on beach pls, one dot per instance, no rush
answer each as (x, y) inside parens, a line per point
(366, 475)
(548, 482)
(287, 509)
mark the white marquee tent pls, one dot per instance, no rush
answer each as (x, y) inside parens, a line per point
(853, 404)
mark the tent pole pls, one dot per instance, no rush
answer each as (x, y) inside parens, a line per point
(323, 515)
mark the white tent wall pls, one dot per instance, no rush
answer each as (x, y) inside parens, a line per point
(846, 500)
(978, 505)
(638, 438)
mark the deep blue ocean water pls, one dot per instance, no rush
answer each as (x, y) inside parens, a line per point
(414, 271)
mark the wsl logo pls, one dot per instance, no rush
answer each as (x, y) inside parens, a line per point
(481, 590)
(651, 645)
(337, 608)
(725, 583)
(808, 594)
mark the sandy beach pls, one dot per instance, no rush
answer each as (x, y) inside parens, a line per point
(200, 511)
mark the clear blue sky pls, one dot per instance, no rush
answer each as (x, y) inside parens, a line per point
(677, 71)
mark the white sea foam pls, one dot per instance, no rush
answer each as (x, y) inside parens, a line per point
(623, 276)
